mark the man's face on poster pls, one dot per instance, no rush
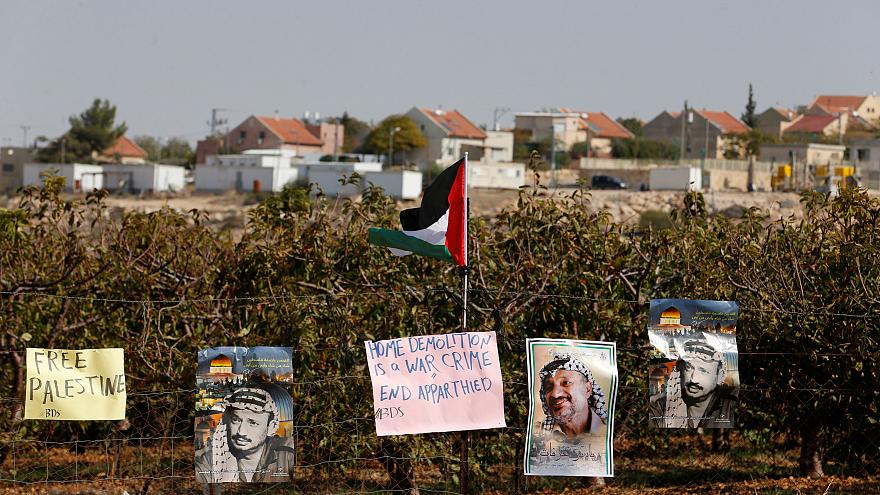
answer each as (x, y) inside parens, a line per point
(566, 393)
(247, 430)
(699, 378)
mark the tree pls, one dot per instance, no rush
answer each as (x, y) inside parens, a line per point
(151, 145)
(633, 125)
(356, 131)
(749, 116)
(409, 136)
(91, 132)
(643, 148)
(177, 151)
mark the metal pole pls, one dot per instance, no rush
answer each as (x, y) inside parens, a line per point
(336, 141)
(24, 129)
(552, 153)
(683, 117)
(464, 485)
(705, 154)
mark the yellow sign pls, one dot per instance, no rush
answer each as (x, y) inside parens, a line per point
(63, 384)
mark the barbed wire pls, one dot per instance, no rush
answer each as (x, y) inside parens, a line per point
(409, 290)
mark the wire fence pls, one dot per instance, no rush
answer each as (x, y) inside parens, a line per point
(337, 450)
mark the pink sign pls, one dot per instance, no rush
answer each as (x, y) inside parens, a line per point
(434, 383)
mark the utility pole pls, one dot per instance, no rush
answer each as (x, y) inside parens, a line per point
(683, 122)
(215, 121)
(496, 114)
(25, 129)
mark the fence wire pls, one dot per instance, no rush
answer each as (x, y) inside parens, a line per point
(337, 450)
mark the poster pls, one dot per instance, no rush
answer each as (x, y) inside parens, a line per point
(694, 372)
(431, 383)
(66, 384)
(572, 389)
(244, 415)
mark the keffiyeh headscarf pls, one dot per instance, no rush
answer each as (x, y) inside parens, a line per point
(224, 466)
(561, 361)
(676, 415)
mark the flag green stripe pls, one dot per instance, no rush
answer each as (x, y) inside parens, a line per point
(399, 240)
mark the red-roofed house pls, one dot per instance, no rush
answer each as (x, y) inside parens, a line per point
(866, 107)
(706, 132)
(450, 134)
(600, 130)
(274, 133)
(818, 124)
(572, 127)
(125, 151)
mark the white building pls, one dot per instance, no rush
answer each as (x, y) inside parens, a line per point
(399, 184)
(150, 177)
(78, 176)
(496, 175)
(254, 158)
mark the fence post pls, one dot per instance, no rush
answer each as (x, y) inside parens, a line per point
(463, 461)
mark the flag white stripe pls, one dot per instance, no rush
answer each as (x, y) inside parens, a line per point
(435, 234)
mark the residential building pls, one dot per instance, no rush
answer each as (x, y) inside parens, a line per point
(599, 131)
(775, 120)
(820, 124)
(497, 147)
(332, 136)
(449, 135)
(865, 151)
(707, 133)
(125, 151)
(566, 127)
(12, 160)
(866, 107)
(253, 158)
(208, 147)
(274, 133)
(803, 153)
(596, 128)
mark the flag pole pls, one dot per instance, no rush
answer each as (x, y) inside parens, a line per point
(464, 292)
(464, 485)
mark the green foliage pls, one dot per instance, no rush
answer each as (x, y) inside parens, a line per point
(657, 219)
(633, 125)
(409, 136)
(91, 132)
(521, 140)
(746, 145)
(748, 117)
(176, 151)
(151, 145)
(356, 132)
(640, 148)
(548, 267)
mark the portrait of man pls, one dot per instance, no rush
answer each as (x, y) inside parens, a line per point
(570, 434)
(573, 402)
(244, 446)
(696, 393)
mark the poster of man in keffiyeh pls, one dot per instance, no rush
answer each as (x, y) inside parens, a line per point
(244, 415)
(573, 386)
(694, 371)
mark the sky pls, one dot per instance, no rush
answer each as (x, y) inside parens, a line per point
(166, 64)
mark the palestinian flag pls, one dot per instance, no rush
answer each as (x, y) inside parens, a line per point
(438, 227)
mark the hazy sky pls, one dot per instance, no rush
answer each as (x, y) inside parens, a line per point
(165, 64)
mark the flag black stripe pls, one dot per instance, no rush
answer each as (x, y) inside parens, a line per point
(435, 202)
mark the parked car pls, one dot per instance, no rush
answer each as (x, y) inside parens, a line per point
(607, 182)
